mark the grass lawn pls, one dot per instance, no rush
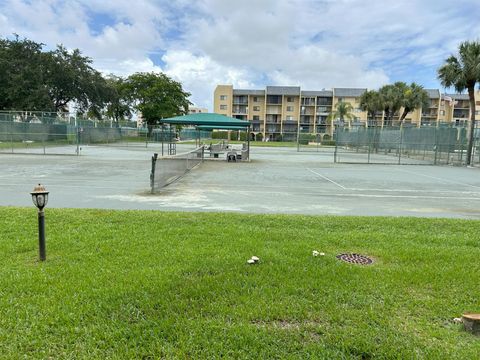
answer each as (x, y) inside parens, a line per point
(146, 284)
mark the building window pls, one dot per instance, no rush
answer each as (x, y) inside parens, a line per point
(255, 99)
(340, 99)
(289, 99)
(256, 118)
(223, 97)
(223, 107)
(442, 112)
(289, 108)
(256, 108)
(289, 118)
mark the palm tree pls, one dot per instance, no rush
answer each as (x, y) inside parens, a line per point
(371, 102)
(392, 99)
(463, 72)
(415, 97)
(343, 110)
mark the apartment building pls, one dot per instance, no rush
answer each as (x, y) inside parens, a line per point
(278, 112)
(197, 110)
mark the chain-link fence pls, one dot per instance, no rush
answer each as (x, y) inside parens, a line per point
(408, 145)
(314, 142)
(52, 133)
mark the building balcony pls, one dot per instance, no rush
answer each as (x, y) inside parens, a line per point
(308, 103)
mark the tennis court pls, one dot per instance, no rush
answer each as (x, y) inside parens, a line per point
(277, 180)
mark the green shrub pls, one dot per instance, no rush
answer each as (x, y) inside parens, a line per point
(223, 135)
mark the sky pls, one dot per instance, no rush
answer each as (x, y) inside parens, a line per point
(250, 44)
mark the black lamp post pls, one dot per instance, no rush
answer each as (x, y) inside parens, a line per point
(40, 199)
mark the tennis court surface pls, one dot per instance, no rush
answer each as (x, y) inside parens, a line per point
(277, 180)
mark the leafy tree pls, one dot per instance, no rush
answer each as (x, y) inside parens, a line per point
(157, 96)
(343, 110)
(22, 66)
(463, 72)
(70, 77)
(414, 97)
(371, 102)
(119, 102)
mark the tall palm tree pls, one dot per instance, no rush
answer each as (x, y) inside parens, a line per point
(392, 98)
(343, 110)
(371, 102)
(463, 72)
(415, 97)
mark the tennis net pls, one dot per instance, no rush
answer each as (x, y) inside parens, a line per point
(168, 169)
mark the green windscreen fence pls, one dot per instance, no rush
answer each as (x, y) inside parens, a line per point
(408, 145)
(47, 133)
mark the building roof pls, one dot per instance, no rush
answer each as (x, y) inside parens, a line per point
(348, 92)
(433, 93)
(248, 92)
(325, 93)
(458, 96)
(214, 121)
(283, 90)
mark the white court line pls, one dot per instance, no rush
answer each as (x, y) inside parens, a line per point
(220, 186)
(324, 177)
(343, 195)
(438, 178)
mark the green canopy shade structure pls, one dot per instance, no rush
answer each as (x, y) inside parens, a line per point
(215, 121)
(211, 121)
(213, 127)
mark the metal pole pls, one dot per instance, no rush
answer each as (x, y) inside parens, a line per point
(77, 132)
(369, 143)
(400, 145)
(152, 173)
(41, 235)
(336, 144)
(248, 143)
(298, 137)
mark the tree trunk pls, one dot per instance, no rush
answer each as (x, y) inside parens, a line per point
(404, 115)
(471, 95)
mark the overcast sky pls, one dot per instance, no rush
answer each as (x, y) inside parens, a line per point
(254, 43)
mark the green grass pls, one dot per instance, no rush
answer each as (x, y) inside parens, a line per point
(145, 284)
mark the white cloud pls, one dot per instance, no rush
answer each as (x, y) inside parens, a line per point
(252, 43)
(200, 74)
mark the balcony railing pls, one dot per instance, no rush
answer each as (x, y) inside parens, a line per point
(237, 110)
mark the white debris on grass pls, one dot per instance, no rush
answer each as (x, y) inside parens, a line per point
(250, 261)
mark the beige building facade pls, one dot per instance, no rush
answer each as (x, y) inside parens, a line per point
(278, 112)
